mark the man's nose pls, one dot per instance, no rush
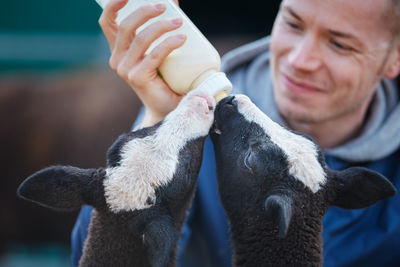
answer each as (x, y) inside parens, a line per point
(305, 55)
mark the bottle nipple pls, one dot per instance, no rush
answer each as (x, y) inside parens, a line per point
(215, 84)
(220, 95)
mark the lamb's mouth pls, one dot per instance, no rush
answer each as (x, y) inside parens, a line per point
(215, 129)
(209, 101)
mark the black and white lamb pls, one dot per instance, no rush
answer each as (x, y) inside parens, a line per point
(276, 188)
(141, 198)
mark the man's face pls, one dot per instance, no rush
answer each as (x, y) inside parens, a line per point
(327, 57)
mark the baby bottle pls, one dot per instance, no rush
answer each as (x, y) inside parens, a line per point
(195, 64)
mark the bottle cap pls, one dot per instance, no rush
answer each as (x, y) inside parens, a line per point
(217, 85)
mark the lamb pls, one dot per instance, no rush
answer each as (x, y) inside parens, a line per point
(276, 188)
(141, 198)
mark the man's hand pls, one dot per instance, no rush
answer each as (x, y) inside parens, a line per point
(128, 58)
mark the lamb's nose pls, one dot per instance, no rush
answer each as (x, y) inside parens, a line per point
(230, 100)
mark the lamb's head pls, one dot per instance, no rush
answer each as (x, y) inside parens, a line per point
(266, 171)
(138, 165)
(172, 151)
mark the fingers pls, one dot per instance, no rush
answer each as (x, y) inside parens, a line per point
(139, 75)
(145, 38)
(107, 20)
(128, 26)
(160, 52)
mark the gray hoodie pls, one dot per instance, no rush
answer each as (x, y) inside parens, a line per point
(248, 68)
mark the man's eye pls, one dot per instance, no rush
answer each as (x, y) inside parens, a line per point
(340, 46)
(293, 25)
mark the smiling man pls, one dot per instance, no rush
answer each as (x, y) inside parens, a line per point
(329, 70)
(327, 59)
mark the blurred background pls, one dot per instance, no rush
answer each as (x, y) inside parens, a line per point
(61, 104)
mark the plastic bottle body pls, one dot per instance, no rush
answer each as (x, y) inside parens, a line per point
(195, 58)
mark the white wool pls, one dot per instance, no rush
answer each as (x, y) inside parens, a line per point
(149, 162)
(301, 152)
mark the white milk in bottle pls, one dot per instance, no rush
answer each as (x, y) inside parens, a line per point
(196, 63)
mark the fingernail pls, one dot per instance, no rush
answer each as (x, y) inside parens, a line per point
(176, 21)
(181, 36)
(159, 6)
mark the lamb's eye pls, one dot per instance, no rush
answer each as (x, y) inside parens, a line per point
(248, 161)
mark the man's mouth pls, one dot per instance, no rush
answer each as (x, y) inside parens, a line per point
(297, 86)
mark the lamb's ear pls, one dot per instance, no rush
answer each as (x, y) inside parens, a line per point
(279, 212)
(61, 188)
(359, 187)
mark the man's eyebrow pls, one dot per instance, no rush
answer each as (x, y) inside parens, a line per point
(341, 34)
(292, 12)
(348, 36)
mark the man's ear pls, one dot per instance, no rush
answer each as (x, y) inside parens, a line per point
(359, 187)
(393, 69)
(62, 188)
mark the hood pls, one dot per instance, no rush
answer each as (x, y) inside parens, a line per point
(249, 71)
